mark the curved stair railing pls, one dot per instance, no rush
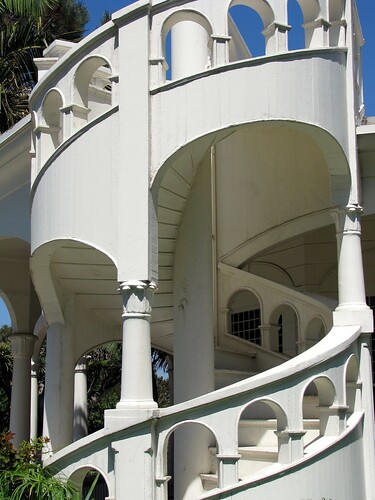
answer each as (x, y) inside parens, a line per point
(333, 366)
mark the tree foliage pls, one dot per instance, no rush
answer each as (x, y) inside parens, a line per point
(22, 476)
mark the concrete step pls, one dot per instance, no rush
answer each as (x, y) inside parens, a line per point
(261, 432)
(209, 481)
(262, 453)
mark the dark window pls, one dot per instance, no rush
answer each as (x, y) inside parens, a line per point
(245, 325)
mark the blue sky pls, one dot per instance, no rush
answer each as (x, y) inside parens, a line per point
(366, 9)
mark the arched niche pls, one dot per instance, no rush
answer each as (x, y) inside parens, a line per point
(320, 417)
(286, 320)
(186, 476)
(352, 385)
(186, 44)
(259, 428)
(84, 479)
(92, 93)
(51, 128)
(244, 316)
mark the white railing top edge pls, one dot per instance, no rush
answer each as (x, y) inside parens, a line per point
(246, 63)
(326, 349)
(333, 344)
(17, 129)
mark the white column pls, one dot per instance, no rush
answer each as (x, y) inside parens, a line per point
(136, 376)
(80, 429)
(352, 308)
(22, 349)
(189, 49)
(59, 386)
(34, 400)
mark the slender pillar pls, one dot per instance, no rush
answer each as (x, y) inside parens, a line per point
(80, 428)
(58, 399)
(22, 349)
(34, 399)
(352, 308)
(136, 377)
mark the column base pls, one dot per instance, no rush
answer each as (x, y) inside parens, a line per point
(123, 417)
(354, 315)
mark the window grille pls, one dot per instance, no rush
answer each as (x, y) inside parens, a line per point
(245, 325)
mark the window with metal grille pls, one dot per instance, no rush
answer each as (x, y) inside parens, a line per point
(245, 325)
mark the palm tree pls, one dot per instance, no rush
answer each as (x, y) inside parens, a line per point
(26, 29)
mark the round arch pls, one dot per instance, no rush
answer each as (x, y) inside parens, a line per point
(79, 475)
(92, 88)
(262, 7)
(45, 283)
(200, 439)
(286, 317)
(244, 315)
(352, 384)
(332, 151)
(260, 426)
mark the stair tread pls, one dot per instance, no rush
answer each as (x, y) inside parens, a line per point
(212, 478)
(264, 452)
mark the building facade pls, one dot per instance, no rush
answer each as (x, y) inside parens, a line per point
(183, 194)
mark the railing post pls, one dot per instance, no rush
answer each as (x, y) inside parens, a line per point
(290, 445)
(220, 49)
(276, 37)
(228, 469)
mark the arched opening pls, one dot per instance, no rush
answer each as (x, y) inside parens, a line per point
(186, 44)
(352, 386)
(51, 124)
(190, 478)
(258, 441)
(285, 318)
(245, 27)
(296, 35)
(92, 90)
(91, 483)
(311, 22)
(320, 418)
(244, 317)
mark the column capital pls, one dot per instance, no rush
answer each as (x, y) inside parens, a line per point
(137, 297)
(347, 219)
(22, 344)
(81, 366)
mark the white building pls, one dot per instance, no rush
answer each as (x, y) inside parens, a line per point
(225, 204)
